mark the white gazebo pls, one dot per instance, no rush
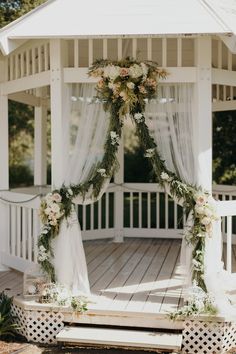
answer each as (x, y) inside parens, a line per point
(44, 55)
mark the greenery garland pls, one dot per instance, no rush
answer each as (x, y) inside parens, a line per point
(124, 89)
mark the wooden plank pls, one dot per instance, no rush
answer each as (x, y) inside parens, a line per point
(159, 286)
(131, 285)
(121, 278)
(138, 300)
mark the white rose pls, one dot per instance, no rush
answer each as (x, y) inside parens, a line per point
(32, 289)
(199, 209)
(47, 211)
(49, 198)
(206, 220)
(135, 71)
(165, 176)
(130, 85)
(55, 208)
(144, 68)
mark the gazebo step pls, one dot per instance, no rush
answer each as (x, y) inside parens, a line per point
(120, 338)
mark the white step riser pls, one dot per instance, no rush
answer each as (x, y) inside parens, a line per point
(120, 338)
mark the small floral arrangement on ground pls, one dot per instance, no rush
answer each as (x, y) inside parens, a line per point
(199, 303)
(59, 295)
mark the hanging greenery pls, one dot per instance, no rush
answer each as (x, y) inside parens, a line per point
(124, 87)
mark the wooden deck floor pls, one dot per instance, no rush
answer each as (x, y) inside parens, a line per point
(139, 275)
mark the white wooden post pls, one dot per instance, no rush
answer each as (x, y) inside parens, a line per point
(203, 112)
(40, 142)
(58, 96)
(119, 196)
(4, 164)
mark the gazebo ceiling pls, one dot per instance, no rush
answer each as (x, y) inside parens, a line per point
(79, 18)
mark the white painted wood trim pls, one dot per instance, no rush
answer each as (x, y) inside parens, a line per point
(25, 98)
(26, 83)
(223, 77)
(224, 106)
(178, 75)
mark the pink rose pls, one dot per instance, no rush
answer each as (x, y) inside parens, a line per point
(124, 72)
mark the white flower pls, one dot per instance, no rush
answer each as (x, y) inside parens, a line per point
(144, 69)
(32, 289)
(114, 138)
(42, 254)
(55, 208)
(102, 172)
(200, 199)
(56, 197)
(112, 72)
(130, 85)
(135, 71)
(206, 220)
(138, 117)
(149, 153)
(70, 192)
(165, 176)
(49, 198)
(200, 210)
(48, 210)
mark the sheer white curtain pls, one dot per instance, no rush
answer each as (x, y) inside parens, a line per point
(171, 121)
(85, 133)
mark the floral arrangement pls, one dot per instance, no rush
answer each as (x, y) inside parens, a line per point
(199, 303)
(59, 295)
(124, 87)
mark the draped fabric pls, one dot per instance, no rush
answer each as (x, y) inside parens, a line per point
(171, 122)
(85, 133)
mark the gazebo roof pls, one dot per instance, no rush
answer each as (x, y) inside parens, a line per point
(77, 18)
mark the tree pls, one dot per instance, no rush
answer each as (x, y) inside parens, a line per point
(21, 117)
(11, 10)
(224, 147)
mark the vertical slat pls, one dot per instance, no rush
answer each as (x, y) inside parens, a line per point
(149, 210)
(140, 210)
(104, 48)
(35, 233)
(231, 92)
(27, 63)
(18, 231)
(22, 65)
(175, 216)
(92, 216)
(33, 61)
(13, 230)
(131, 210)
(166, 211)
(29, 235)
(224, 93)
(217, 92)
(179, 52)
(24, 232)
(134, 48)
(11, 67)
(229, 61)
(164, 52)
(45, 53)
(107, 210)
(229, 244)
(219, 54)
(119, 48)
(157, 209)
(39, 59)
(149, 49)
(84, 217)
(100, 214)
(76, 53)
(16, 66)
(90, 54)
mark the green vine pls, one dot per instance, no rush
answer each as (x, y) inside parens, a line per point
(124, 89)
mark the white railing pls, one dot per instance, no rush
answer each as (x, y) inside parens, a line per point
(227, 210)
(130, 210)
(20, 227)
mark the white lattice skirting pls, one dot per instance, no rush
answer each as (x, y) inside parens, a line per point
(38, 326)
(209, 337)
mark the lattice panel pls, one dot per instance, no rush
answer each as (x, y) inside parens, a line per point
(38, 326)
(208, 337)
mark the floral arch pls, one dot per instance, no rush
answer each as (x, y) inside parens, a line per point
(124, 88)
